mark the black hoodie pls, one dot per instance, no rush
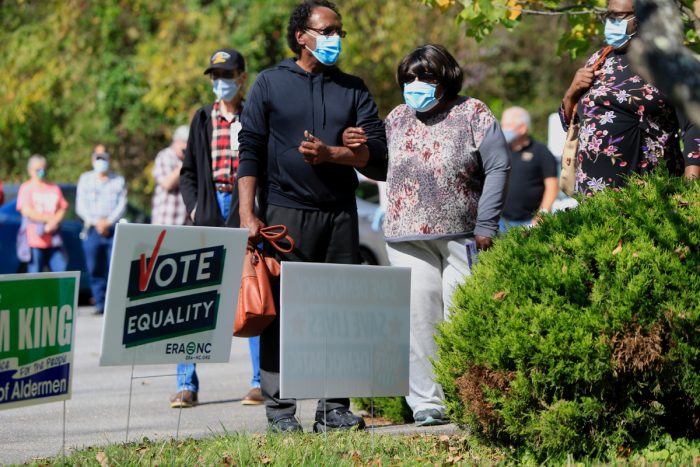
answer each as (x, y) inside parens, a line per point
(284, 101)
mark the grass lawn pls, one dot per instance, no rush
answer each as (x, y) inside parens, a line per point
(351, 449)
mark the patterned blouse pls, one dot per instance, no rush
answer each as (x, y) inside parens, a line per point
(627, 126)
(447, 173)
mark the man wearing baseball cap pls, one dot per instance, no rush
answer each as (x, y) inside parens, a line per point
(207, 184)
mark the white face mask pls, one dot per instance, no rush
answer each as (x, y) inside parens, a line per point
(100, 165)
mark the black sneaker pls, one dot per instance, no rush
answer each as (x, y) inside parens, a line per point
(286, 425)
(338, 419)
(429, 417)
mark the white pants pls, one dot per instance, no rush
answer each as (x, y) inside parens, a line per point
(437, 267)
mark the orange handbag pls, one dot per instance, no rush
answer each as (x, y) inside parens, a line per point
(256, 304)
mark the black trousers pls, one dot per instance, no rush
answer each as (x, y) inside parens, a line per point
(321, 237)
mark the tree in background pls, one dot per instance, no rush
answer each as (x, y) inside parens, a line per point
(128, 71)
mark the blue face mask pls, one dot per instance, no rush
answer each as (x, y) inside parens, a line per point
(327, 49)
(510, 135)
(100, 165)
(41, 174)
(616, 32)
(420, 96)
(225, 89)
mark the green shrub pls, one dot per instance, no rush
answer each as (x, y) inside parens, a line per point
(582, 336)
(392, 408)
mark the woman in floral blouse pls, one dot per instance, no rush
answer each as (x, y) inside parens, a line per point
(627, 125)
(446, 185)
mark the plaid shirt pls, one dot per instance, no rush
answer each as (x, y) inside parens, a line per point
(168, 207)
(224, 146)
(96, 199)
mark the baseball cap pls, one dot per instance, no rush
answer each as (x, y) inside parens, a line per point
(226, 59)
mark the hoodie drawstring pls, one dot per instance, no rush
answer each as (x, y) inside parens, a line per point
(323, 100)
(313, 107)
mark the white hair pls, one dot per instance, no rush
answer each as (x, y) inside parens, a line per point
(520, 115)
(34, 159)
(181, 133)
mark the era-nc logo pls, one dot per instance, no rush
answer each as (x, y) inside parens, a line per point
(161, 274)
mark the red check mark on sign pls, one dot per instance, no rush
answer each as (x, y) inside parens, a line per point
(145, 273)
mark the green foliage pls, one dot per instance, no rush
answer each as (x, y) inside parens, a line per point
(392, 408)
(482, 17)
(580, 336)
(127, 72)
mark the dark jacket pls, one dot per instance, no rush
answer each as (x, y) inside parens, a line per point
(196, 182)
(284, 101)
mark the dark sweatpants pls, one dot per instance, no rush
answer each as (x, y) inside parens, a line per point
(321, 237)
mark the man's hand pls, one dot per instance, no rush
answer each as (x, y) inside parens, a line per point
(314, 150)
(354, 137)
(103, 227)
(253, 224)
(483, 243)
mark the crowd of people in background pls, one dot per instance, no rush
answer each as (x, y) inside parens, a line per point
(289, 153)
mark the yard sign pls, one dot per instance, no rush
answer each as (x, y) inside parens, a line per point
(344, 330)
(37, 325)
(172, 294)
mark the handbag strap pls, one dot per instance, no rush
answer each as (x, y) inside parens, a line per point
(273, 233)
(596, 65)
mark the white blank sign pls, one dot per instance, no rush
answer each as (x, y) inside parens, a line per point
(344, 330)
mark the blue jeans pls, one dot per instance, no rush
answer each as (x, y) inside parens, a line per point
(504, 224)
(54, 258)
(187, 372)
(187, 377)
(98, 251)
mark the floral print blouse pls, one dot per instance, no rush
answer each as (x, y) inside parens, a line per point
(627, 126)
(447, 173)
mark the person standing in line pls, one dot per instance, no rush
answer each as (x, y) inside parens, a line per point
(207, 184)
(43, 207)
(533, 184)
(627, 125)
(446, 184)
(168, 207)
(291, 147)
(100, 202)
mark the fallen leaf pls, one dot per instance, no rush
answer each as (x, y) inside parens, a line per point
(265, 460)
(618, 248)
(141, 449)
(227, 461)
(500, 295)
(102, 459)
(681, 252)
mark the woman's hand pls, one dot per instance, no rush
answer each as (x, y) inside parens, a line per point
(583, 80)
(483, 243)
(354, 137)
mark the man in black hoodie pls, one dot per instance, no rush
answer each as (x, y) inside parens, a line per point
(291, 145)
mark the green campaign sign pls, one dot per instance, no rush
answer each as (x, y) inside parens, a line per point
(37, 325)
